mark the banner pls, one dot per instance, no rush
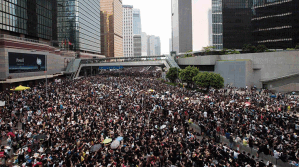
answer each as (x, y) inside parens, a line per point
(25, 62)
(110, 67)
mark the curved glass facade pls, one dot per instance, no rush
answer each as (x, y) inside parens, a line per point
(79, 25)
(33, 18)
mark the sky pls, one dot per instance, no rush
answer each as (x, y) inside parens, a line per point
(156, 20)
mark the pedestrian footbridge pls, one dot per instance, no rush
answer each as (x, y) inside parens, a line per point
(77, 66)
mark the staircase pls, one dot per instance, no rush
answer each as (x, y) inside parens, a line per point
(72, 67)
(171, 62)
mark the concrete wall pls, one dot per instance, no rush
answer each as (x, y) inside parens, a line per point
(55, 63)
(260, 67)
(199, 60)
(233, 72)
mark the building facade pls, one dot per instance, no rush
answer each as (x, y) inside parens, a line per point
(210, 28)
(128, 30)
(137, 45)
(157, 46)
(34, 19)
(111, 28)
(144, 40)
(151, 45)
(181, 18)
(276, 23)
(237, 29)
(217, 28)
(79, 25)
(136, 22)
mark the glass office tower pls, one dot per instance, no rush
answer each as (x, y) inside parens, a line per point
(217, 28)
(31, 18)
(136, 22)
(276, 23)
(79, 25)
(237, 29)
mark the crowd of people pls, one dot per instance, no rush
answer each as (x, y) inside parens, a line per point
(130, 118)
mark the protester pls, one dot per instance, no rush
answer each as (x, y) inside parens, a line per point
(146, 121)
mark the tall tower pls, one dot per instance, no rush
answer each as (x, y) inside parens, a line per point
(217, 27)
(210, 27)
(136, 22)
(111, 28)
(181, 18)
(144, 40)
(128, 30)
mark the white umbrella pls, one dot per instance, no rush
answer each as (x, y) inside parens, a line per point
(163, 126)
(115, 144)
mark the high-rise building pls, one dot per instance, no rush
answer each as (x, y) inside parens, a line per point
(181, 25)
(79, 25)
(210, 27)
(35, 19)
(128, 30)
(276, 23)
(170, 45)
(136, 22)
(236, 16)
(112, 28)
(157, 46)
(217, 28)
(137, 45)
(151, 45)
(144, 40)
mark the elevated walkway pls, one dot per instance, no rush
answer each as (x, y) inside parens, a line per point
(75, 66)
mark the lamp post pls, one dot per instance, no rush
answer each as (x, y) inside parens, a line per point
(46, 85)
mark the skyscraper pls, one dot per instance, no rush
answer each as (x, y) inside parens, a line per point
(157, 46)
(276, 23)
(237, 30)
(144, 40)
(181, 17)
(128, 30)
(217, 28)
(136, 22)
(151, 45)
(210, 27)
(30, 19)
(79, 25)
(137, 45)
(170, 45)
(112, 28)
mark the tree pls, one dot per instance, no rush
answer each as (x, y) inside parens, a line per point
(172, 74)
(248, 48)
(261, 48)
(188, 53)
(297, 46)
(209, 79)
(187, 74)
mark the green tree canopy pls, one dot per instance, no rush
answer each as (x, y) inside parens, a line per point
(261, 48)
(209, 79)
(172, 74)
(249, 48)
(188, 53)
(187, 74)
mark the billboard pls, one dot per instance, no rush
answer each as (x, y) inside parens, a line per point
(25, 62)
